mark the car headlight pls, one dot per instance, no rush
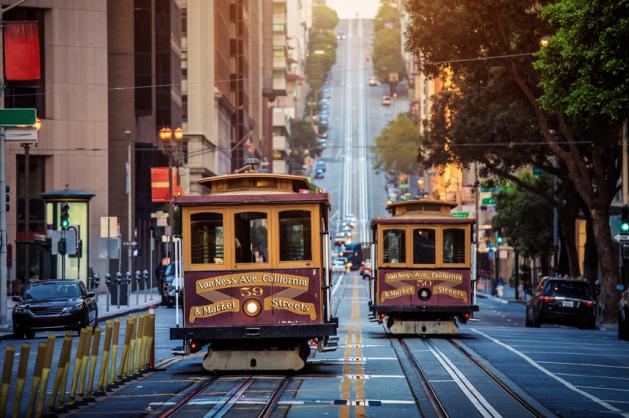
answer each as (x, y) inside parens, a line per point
(19, 309)
(73, 308)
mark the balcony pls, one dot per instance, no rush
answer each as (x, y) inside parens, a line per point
(280, 143)
(279, 63)
(279, 86)
(279, 40)
(279, 119)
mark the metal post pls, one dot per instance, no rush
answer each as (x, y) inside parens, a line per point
(118, 280)
(152, 250)
(137, 287)
(129, 188)
(625, 166)
(27, 211)
(170, 202)
(176, 279)
(145, 276)
(108, 284)
(497, 272)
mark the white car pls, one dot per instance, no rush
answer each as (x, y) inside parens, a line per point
(350, 219)
(338, 266)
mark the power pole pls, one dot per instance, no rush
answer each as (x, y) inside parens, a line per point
(3, 182)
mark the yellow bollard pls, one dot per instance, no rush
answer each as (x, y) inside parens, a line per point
(93, 361)
(77, 367)
(64, 357)
(21, 379)
(66, 371)
(85, 356)
(122, 372)
(9, 354)
(138, 343)
(39, 363)
(114, 352)
(151, 343)
(131, 358)
(104, 369)
(45, 374)
(145, 338)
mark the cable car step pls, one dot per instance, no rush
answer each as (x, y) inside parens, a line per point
(178, 351)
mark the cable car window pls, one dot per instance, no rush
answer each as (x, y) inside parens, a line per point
(394, 246)
(453, 246)
(251, 238)
(207, 240)
(424, 246)
(295, 235)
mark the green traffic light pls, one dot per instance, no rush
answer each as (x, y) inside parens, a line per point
(65, 223)
(624, 227)
(499, 240)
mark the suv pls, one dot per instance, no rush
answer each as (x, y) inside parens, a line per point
(386, 100)
(562, 301)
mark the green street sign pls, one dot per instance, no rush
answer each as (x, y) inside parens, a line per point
(461, 214)
(494, 189)
(488, 201)
(17, 117)
(404, 186)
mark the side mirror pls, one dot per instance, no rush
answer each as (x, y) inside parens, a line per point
(17, 298)
(90, 294)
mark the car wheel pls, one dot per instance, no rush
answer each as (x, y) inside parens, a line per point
(527, 319)
(623, 328)
(29, 334)
(537, 321)
(18, 334)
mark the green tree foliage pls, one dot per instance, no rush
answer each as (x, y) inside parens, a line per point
(324, 17)
(397, 146)
(486, 47)
(585, 65)
(525, 218)
(387, 50)
(302, 140)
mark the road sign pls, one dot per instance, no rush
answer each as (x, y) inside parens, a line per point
(488, 201)
(493, 189)
(131, 243)
(461, 214)
(26, 135)
(17, 117)
(108, 248)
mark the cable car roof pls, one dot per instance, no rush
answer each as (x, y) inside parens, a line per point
(421, 211)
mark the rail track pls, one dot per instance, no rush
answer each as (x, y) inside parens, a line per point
(498, 399)
(219, 396)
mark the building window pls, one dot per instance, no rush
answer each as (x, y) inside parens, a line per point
(453, 246)
(295, 235)
(207, 239)
(251, 238)
(424, 246)
(394, 246)
(279, 28)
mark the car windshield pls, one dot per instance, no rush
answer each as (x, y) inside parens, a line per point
(567, 289)
(52, 291)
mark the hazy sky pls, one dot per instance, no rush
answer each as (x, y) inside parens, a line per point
(348, 8)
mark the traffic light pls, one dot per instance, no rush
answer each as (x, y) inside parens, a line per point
(499, 239)
(61, 246)
(7, 189)
(65, 215)
(624, 220)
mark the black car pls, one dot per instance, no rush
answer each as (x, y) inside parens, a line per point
(562, 301)
(623, 316)
(169, 287)
(53, 305)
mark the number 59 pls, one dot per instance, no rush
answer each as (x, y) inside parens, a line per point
(251, 291)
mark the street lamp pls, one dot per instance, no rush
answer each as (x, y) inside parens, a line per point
(166, 135)
(27, 198)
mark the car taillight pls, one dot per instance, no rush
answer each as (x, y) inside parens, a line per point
(546, 299)
(588, 303)
(466, 315)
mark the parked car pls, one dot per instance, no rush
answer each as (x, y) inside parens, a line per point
(320, 165)
(386, 100)
(564, 301)
(623, 316)
(318, 174)
(341, 36)
(53, 305)
(169, 287)
(373, 81)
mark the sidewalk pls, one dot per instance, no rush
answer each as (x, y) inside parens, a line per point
(103, 314)
(483, 290)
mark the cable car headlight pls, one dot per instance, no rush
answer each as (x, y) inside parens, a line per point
(424, 293)
(251, 307)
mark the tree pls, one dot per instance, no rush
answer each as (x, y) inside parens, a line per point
(397, 146)
(388, 15)
(302, 140)
(524, 218)
(324, 17)
(498, 37)
(387, 54)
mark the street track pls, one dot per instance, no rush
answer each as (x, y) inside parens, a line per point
(511, 405)
(217, 396)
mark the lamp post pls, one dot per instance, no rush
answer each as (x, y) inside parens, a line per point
(27, 201)
(166, 135)
(129, 190)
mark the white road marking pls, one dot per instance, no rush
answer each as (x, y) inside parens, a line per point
(336, 285)
(480, 403)
(583, 364)
(589, 376)
(600, 388)
(576, 354)
(552, 375)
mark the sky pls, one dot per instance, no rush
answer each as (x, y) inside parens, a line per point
(348, 8)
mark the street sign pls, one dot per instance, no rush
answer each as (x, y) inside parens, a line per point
(108, 248)
(26, 135)
(131, 243)
(54, 240)
(488, 201)
(17, 117)
(404, 186)
(493, 189)
(461, 214)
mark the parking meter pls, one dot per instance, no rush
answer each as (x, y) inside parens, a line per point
(145, 276)
(95, 281)
(108, 286)
(138, 277)
(118, 282)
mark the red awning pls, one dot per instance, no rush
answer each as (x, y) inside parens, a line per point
(21, 51)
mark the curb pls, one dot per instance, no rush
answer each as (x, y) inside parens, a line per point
(505, 301)
(104, 317)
